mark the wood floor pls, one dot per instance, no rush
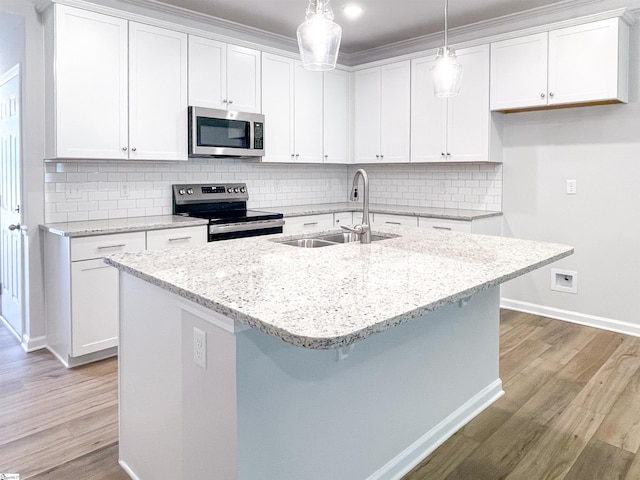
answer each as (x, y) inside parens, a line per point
(571, 411)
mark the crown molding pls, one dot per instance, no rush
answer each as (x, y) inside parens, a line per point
(559, 15)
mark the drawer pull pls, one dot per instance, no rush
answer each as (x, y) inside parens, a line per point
(393, 223)
(179, 238)
(441, 228)
(95, 268)
(309, 224)
(119, 245)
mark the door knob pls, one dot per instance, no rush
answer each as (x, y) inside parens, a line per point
(14, 227)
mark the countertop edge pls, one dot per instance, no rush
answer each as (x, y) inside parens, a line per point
(329, 343)
(63, 229)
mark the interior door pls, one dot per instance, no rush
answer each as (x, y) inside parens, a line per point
(10, 191)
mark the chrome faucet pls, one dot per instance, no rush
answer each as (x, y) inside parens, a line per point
(364, 229)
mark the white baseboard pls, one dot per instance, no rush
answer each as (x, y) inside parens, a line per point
(126, 468)
(32, 344)
(400, 465)
(573, 317)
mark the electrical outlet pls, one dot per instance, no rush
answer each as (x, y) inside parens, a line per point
(124, 189)
(73, 191)
(200, 347)
(572, 187)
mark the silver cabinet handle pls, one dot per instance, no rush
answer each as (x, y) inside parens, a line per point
(441, 228)
(442, 154)
(309, 224)
(542, 95)
(124, 149)
(551, 94)
(393, 223)
(230, 102)
(297, 155)
(224, 101)
(133, 149)
(176, 239)
(326, 156)
(95, 268)
(14, 227)
(119, 245)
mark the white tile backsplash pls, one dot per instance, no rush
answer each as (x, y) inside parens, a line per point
(95, 190)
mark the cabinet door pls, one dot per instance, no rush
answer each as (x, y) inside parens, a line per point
(584, 63)
(94, 306)
(468, 113)
(307, 224)
(395, 116)
(277, 107)
(391, 219)
(157, 93)
(207, 72)
(367, 115)
(243, 79)
(308, 137)
(445, 224)
(518, 72)
(337, 116)
(91, 85)
(428, 114)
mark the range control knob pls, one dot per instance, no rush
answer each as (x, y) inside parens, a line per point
(190, 191)
(236, 190)
(229, 190)
(242, 189)
(181, 191)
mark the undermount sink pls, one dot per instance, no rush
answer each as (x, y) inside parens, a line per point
(331, 239)
(308, 243)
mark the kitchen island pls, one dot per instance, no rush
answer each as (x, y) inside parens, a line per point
(252, 359)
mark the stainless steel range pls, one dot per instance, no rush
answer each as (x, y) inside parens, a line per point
(225, 206)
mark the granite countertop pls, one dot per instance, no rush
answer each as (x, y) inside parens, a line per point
(330, 297)
(415, 211)
(120, 225)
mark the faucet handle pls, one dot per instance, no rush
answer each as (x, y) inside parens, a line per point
(358, 229)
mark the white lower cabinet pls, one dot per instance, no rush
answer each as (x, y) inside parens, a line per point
(390, 219)
(485, 226)
(176, 237)
(307, 223)
(82, 293)
(342, 218)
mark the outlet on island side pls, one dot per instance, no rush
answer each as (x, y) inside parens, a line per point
(564, 280)
(200, 347)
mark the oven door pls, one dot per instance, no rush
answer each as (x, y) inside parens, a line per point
(215, 132)
(245, 229)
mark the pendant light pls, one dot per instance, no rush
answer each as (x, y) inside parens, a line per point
(447, 72)
(319, 37)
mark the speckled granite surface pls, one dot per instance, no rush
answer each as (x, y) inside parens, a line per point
(449, 213)
(118, 225)
(330, 297)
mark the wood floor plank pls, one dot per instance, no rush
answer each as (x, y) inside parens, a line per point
(100, 464)
(555, 452)
(600, 461)
(445, 458)
(621, 426)
(606, 386)
(517, 359)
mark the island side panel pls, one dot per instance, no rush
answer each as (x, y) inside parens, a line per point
(149, 369)
(399, 394)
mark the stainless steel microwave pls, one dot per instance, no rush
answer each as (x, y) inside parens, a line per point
(222, 133)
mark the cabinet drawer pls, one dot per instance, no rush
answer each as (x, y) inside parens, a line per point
(174, 237)
(85, 248)
(385, 218)
(308, 223)
(445, 224)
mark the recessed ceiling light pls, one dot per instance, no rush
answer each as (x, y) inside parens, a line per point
(352, 11)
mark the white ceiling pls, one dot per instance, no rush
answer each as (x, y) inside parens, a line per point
(383, 21)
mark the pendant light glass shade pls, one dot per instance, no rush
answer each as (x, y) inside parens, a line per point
(447, 72)
(319, 37)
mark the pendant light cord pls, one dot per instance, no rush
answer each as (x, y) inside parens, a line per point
(446, 5)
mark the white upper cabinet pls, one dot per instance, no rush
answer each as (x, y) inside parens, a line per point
(382, 106)
(308, 135)
(117, 90)
(456, 129)
(87, 99)
(581, 64)
(278, 107)
(157, 93)
(337, 116)
(223, 76)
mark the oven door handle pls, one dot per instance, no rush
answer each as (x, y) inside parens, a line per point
(245, 226)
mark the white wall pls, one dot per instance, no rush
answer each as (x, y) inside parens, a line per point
(600, 148)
